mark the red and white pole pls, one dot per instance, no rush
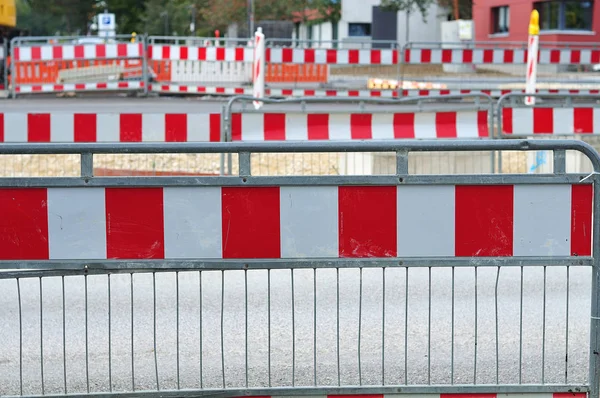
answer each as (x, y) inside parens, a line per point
(532, 56)
(258, 68)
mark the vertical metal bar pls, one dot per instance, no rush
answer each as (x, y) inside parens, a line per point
(567, 329)
(177, 325)
(109, 339)
(544, 333)
(475, 355)
(383, 329)
(560, 161)
(521, 330)
(154, 321)
(406, 328)
(594, 365)
(315, 324)
(244, 164)
(452, 338)
(87, 165)
(132, 330)
(222, 325)
(269, 321)
(87, 356)
(246, 319)
(402, 162)
(429, 329)
(497, 340)
(338, 324)
(20, 336)
(200, 322)
(360, 298)
(293, 332)
(64, 332)
(42, 337)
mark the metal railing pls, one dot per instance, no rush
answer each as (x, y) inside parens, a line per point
(304, 321)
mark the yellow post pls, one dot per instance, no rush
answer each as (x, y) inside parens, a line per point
(534, 23)
(133, 37)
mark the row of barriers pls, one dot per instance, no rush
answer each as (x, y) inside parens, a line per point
(402, 285)
(191, 66)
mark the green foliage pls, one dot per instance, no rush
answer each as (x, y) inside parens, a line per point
(407, 5)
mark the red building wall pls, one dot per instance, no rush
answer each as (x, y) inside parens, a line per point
(520, 11)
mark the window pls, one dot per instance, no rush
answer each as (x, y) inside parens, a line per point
(565, 14)
(500, 19)
(359, 29)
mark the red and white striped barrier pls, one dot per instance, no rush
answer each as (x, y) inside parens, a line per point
(68, 87)
(358, 126)
(500, 56)
(70, 52)
(557, 121)
(295, 222)
(159, 52)
(110, 127)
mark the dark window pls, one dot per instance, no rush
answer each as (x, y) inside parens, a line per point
(565, 14)
(500, 19)
(359, 29)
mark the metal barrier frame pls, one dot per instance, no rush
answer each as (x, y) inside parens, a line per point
(16, 269)
(513, 99)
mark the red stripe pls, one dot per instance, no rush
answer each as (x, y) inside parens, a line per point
(239, 53)
(446, 56)
(38, 127)
(36, 53)
(17, 54)
(376, 57)
(581, 219)
(267, 54)
(236, 126)
(318, 126)
(554, 56)
(57, 52)
(274, 126)
(488, 56)
(509, 56)
(470, 395)
(24, 224)
(251, 222)
(84, 126)
(482, 124)
(131, 127)
(356, 93)
(176, 127)
(79, 51)
(309, 56)
(134, 223)
(445, 125)
(575, 56)
(543, 120)
(360, 126)
(331, 56)
(287, 55)
(404, 125)
(215, 127)
(425, 56)
(353, 56)
(101, 85)
(122, 50)
(395, 56)
(183, 52)
(100, 51)
(595, 56)
(484, 221)
(1, 127)
(507, 121)
(202, 54)
(407, 55)
(467, 56)
(220, 54)
(150, 52)
(583, 120)
(367, 221)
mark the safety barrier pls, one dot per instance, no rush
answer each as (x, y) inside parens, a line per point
(4, 65)
(328, 285)
(39, 65)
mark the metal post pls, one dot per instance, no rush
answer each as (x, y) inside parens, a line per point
(594, 376)
(13, 91)
(560, 158)
(87, 165)
(145, 74)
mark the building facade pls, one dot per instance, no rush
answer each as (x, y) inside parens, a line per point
(560, 20)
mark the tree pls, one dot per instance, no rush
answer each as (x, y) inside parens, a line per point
(465, 7)
(407, 6)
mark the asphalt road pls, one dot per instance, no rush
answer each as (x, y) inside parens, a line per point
(371, 339)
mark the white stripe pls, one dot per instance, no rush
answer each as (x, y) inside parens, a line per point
(542, 220)
(46, 53)
(544, 57)
(296, 127)
(211, 54)
(276, 55)
(108, 127)
(457, 56)
(320, 56)
(133, 50)
(62, 127)
(68, 52)
(382, 126)
(309, 222)
(426, 220)
(15, 127)
(230, 54)
(76, 223)
(477, 56)
(174, 53)
(89, 51)
(436, 56)
(522, 120)
(249, 54)
(253, 127)
(24, 54)
(193, 224)
(339, 126)
(563, 121)
(466, 124)
(157, 52)
(364, 57)
(565, 57)
(387, 57)
(519, 57)
(298, 56)
(198, 127)
(498, 56)
(342, 57)
(425, 125)
(110, 50)
(153, 127)
(596, 121)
